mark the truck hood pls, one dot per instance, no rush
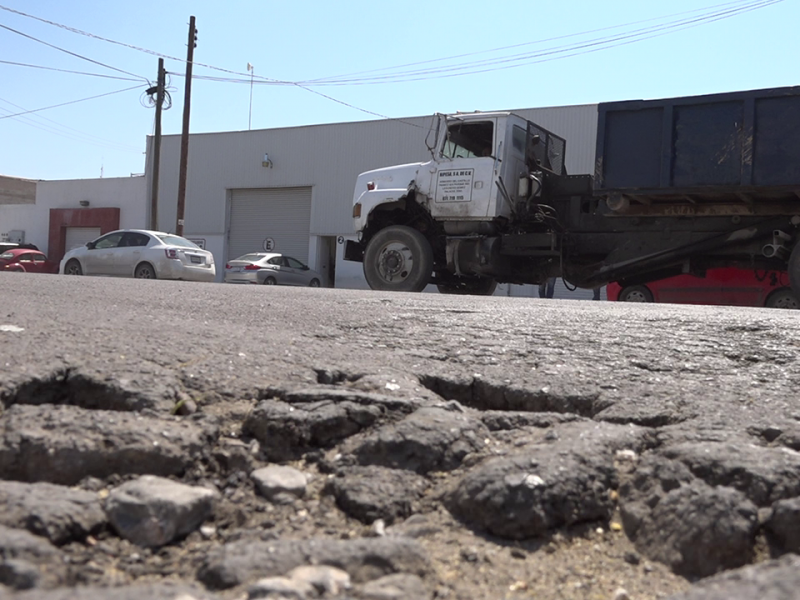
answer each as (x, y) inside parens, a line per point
(395, 177)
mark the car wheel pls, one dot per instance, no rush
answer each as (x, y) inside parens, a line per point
(783, 298)
(636, 293)
(314, 283)
(73, 267)
(270, 281)
(398, 259)
(144, 271)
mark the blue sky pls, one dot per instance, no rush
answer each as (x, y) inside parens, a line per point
(505, 55)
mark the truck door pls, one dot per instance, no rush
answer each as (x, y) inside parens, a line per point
(513, 165)
(463, 184)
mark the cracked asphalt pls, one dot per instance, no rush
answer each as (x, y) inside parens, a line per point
(677, 374)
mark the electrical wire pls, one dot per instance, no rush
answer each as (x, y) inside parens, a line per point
(132, 47)
(54, 129)
(27, 112)
(30, 37)
(730, 9)
(567, 36)
(709, 14)
(548, 54)
(18, 64)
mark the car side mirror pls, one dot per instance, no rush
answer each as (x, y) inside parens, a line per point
(90, 245)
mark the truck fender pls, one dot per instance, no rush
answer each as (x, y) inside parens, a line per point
(369, 200)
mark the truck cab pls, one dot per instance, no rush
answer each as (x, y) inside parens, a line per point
(483, 168)
(474, 173)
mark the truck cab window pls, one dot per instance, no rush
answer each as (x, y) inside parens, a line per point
(468, 140)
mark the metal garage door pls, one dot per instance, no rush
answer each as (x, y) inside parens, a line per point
(78, 236)
(281, 215)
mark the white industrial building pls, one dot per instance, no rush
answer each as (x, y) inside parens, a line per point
(287, 189)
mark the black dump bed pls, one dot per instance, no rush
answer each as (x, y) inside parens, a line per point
(735, 145)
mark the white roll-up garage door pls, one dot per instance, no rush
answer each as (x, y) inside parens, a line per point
(78, 236)
(277, 217)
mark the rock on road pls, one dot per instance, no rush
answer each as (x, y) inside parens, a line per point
(175, 440)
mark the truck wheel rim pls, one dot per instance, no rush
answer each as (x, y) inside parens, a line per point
(395, 262)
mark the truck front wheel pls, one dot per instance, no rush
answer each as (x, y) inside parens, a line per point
(398, 259)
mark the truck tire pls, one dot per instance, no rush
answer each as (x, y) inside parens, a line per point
(794, 270)
(398, 259)
(636, 293)
(475, 286)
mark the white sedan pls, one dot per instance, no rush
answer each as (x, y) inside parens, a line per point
(142, 254)
(269, 268)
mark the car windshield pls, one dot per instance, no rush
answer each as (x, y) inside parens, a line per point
(176, 240)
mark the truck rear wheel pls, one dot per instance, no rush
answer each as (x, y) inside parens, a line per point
(794, 270)
(398, 259)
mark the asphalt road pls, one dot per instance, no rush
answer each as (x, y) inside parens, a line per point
(702, 398)
(650, 364)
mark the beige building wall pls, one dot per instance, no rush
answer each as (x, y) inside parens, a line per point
(17, 191)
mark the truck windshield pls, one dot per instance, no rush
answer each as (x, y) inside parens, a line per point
(467, 140)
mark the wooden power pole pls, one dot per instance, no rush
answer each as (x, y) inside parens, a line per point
(185, 132)
(160, 85)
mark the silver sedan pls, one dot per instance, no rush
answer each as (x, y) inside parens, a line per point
(270, 268)
(142, 254)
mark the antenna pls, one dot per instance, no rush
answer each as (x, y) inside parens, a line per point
(252, 70)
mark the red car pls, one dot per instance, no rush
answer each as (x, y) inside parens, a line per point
(728, 286)
(27, 261)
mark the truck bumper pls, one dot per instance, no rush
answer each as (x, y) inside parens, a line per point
(354, 251)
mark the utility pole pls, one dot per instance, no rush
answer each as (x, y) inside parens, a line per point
(160, 84)
(187, 95)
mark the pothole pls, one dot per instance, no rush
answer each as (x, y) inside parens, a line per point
(70, 387)
(335, 376)
(481, 394)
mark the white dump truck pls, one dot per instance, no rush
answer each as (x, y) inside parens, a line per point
(681, 185)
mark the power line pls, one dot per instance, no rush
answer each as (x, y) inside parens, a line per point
(18, 64)
(554, 53)
(124, 45)
(534, 42)
(81, 137)
(27, 112)
(30, 37)
(710, 14)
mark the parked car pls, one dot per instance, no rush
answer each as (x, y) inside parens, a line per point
(270, 268)
(727, 286)
(6, 246)
(27, 261)
(142, 254)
